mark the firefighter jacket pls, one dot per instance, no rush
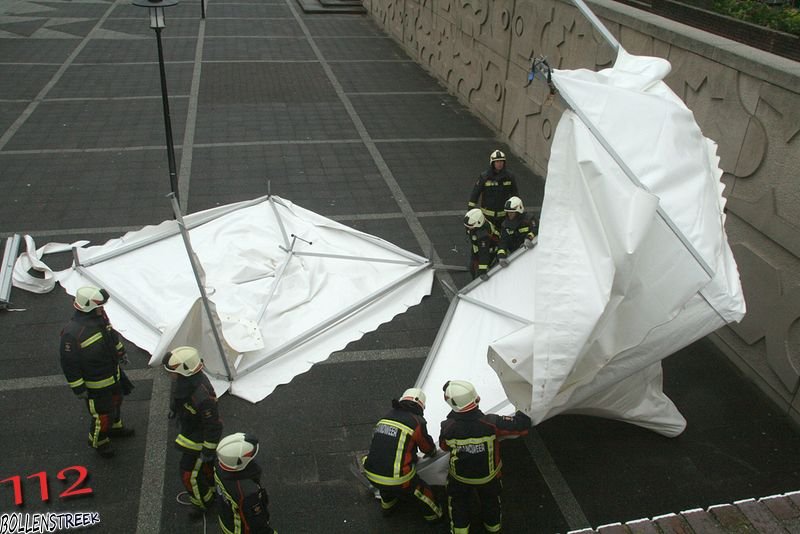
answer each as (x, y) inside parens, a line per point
(195, 405)
(492, 190)
(243, 501)
(471, 438)
(396, 438)
(90, 354)
(512, 234)
(483, 242)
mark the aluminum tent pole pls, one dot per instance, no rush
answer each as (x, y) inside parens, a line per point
(198, 220)
(595, 22)
(331, 321)
(198, 278)
(356, 258)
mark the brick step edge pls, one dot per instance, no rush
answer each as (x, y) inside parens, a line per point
(773, 514)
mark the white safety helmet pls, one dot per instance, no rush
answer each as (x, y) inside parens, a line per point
(497, 156)
(460, 395)
(474, 219)
(514, 204)
(414, 395)
(184, 361)
(89, 298)
(237, 450)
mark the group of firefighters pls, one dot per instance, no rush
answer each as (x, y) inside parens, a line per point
(496, 222)
(212, 470)
(222, 471)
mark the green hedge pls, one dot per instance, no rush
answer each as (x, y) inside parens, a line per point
(782, 18)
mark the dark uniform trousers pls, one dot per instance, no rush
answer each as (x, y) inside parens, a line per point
(490, 193)
(243, 503)
(195, 404)
(90, 354)
(483, 243)
(391, 463)
(476, 465)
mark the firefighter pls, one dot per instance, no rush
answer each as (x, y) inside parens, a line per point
(516, 230)
(91, 352)
(483, 238)
(243, 500)
(475, 464)
(493, 188)
(195, 405)
(390, 464)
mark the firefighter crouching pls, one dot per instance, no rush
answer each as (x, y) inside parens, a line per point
(91, 352)
(483, 237)
(195, 405)
(516, 230)
(475, 464)
(243, 502)
(391, 463)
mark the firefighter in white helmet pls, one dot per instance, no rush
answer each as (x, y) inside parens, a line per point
(243, 501)
(494, 186)
(391, 462)
(483, 237)
(194, 403)
(91, 352)
(472, 439)
(517, 230)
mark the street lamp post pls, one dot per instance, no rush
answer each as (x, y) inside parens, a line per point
(156, 9)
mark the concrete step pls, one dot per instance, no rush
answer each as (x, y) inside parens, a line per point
(776, 514)
(332, 6)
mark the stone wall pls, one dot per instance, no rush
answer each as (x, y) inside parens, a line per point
(746, 100)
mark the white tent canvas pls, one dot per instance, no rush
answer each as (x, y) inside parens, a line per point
(632, 264)
(287, 287)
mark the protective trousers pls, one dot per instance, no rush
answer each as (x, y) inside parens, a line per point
(416, 487)
(458, 501)
(198, 479)
(105, 412)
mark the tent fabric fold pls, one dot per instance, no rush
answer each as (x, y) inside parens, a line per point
(287, 287)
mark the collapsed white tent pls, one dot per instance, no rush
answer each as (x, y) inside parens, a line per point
(632, 264)
(286, 288)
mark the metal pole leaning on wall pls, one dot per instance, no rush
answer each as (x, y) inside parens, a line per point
(595, 22)
(196, 270)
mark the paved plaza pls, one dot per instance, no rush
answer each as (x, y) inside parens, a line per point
(327, 111)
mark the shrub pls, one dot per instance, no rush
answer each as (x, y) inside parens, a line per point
(782, 18)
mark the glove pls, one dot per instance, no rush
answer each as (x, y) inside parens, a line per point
(432, 454)
(484, 277)
(83, 395)
(171, 414)
(528, 243)
(208, 456)
(503, 262)
(123, 358)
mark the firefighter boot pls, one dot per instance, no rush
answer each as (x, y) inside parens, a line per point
(120, 431)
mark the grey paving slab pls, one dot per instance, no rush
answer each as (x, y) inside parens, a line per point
(248, 11)
(76, 9)
(36, 50)
(141, 49)
(110, 482)
(363, 77)
(70, 26)
(416, 116)
(185, 10)
(226, 123)
(331, 179)
(9, 112)
(176, 27)
(99, 124)
(440, 175)
(113, 81)
(265, 83)
(360, 48)
(44, 191)
(256, 49)
(339, 26)
(253, 28)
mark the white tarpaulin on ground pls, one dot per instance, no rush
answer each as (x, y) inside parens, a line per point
(632, 264)
(288, 288)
